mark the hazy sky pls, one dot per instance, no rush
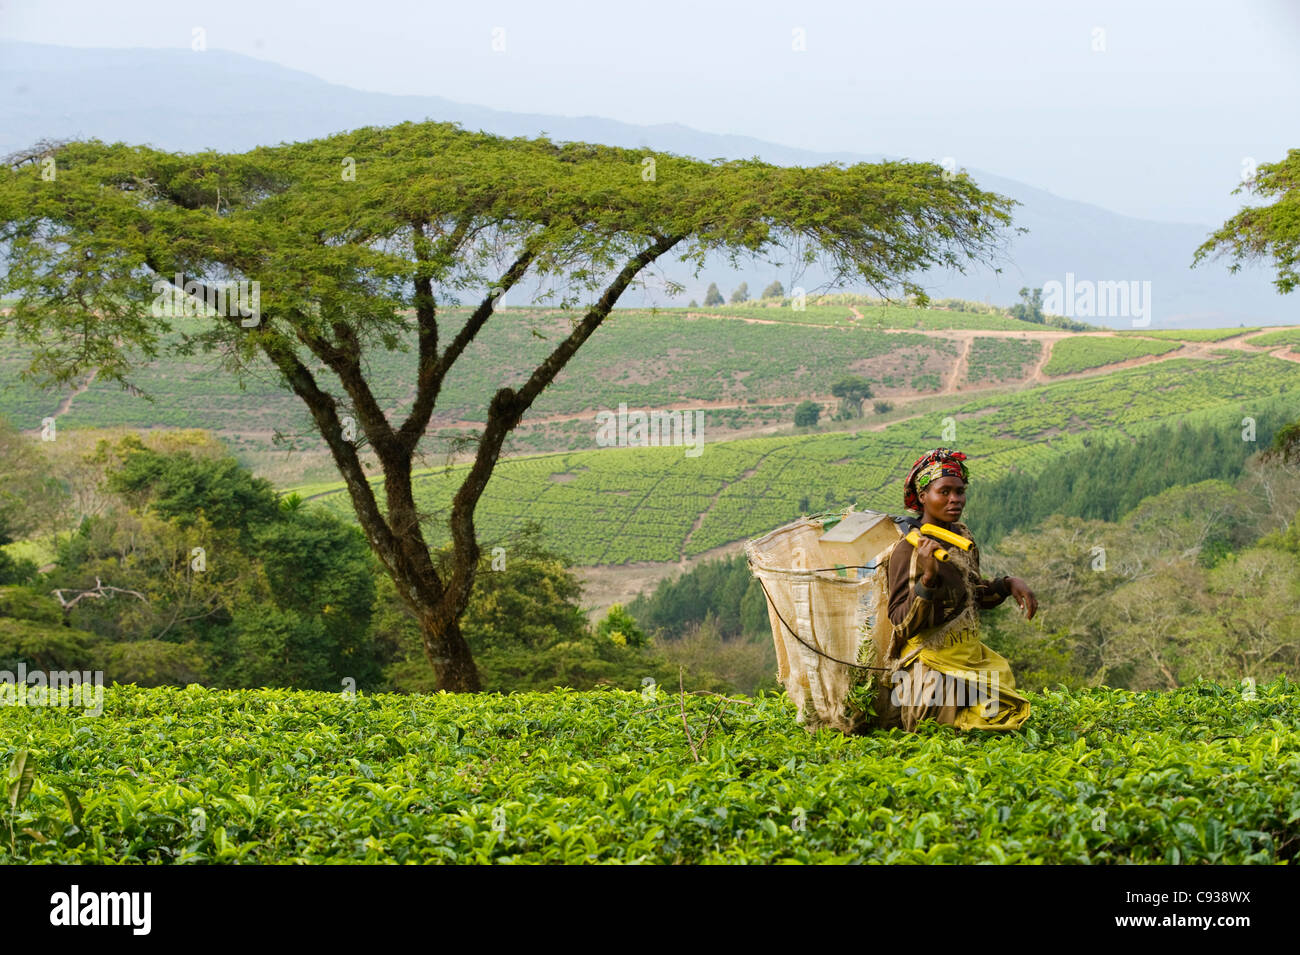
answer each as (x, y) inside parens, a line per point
(1149, 109)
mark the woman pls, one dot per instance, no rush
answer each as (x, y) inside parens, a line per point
(939, 667)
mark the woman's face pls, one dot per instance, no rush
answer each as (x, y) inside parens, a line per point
(944, 499)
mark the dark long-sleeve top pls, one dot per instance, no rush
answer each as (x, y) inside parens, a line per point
(915, 608)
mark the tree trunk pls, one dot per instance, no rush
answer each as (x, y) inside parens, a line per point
(453, 665)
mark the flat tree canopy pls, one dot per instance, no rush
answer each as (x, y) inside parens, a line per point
(348, 233)
(1268, 231)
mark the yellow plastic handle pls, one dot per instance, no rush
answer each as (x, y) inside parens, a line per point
(914, 539)
(933, 530)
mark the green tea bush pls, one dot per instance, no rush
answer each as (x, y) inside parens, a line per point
(1203, 774)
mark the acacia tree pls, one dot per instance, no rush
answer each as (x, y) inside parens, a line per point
(852, 391)
(1268, 231)
(348, 234)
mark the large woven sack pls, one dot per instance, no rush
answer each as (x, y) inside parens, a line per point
(827, 601)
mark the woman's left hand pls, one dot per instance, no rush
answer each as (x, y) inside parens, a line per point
(1024, 596)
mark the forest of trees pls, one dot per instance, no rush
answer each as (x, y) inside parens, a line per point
(187, 569)
(1110, 476)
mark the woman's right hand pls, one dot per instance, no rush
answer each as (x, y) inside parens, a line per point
(926, 562)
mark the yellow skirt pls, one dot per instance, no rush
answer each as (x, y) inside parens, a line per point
(963, 682)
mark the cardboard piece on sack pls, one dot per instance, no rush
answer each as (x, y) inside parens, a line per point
(858, 539)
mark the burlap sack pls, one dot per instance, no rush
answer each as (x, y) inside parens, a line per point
(828, 614)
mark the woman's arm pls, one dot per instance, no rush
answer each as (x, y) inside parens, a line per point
(913, 607)
(989, 593)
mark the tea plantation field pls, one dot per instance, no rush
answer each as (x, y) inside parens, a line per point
(621, 504)
(643, 358)
(1204, 774)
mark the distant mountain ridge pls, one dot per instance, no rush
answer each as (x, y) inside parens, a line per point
(227, 101)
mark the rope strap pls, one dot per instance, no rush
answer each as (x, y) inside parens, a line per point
(858, 666)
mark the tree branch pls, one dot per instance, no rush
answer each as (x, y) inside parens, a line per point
(431, 375)
(504, 412)
(95, 592)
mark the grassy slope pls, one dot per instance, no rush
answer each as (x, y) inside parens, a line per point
(1197, 775)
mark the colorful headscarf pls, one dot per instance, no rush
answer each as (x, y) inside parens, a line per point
(940, 462)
